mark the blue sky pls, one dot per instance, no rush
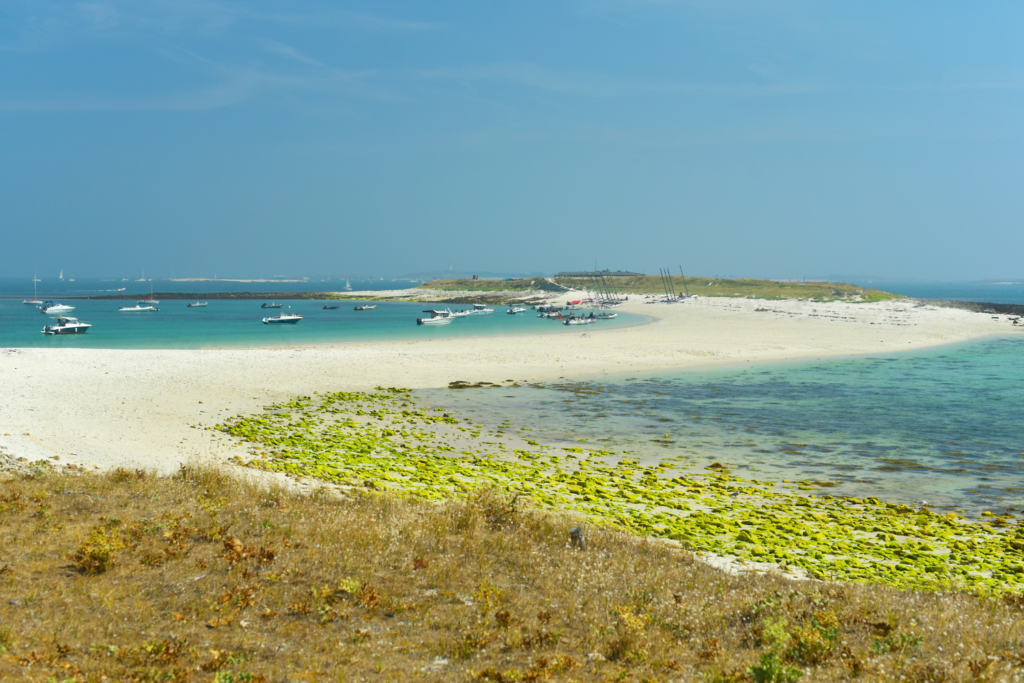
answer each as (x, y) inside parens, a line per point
(783, 139)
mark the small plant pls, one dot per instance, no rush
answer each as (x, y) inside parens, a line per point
(772, 670)
(96, 554)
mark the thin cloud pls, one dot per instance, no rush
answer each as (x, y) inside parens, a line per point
(591, 84)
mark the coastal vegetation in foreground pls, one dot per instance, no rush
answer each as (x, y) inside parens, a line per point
(206, 577)
(384, 441)
(702, 286)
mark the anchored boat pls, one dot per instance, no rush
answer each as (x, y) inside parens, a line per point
(480, 309)
(137, 308)
(283, 318)
(271, 305)
(197, 304)
(67, 326)
(54, 308)
(366, 308)
(436, 318)
(331, 308)
(515, 309)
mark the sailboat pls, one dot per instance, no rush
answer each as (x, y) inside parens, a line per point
(150, 301)
(34, 301)
(348, 287)
(61, 276)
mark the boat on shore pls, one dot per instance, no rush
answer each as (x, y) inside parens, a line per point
(582, 320)
(67, 326)
(272, 305)
(436, 318)
(197, 304)
(515, 309)
(283, 319)
(137, 308)
(366, 308)
(605, 316)
(54, 308)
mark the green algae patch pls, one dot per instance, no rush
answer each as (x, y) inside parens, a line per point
(382, 440)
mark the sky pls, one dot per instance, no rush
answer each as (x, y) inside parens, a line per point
(786, 139)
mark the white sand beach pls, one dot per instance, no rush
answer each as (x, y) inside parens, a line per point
(138, 407)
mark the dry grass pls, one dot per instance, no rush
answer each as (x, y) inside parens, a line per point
(202, 577)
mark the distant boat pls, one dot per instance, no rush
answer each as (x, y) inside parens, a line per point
(348, 287)
(436, 318)
(331, 308)
(34, 301)
(579, 321)
(67, 326)
(137, 308)
(366, 308)
(271, 305)
(515, 309)
(54, 308)
(480, 309)
(150, 301)
(282, 318)
(197, 304)
(61, 276)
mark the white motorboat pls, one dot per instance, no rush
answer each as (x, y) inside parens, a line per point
(67, 326)
(550, 314)
(605, 316)
(197, 304)
(137, 308)
(54, 308)
(436, 318)
(271, 305)
(462, 313)
(515, 309)
(366, 308)
(480, 309)
(580, 321)
(283, 319)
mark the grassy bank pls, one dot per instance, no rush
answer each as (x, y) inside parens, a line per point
(204, 577)
(703, 286)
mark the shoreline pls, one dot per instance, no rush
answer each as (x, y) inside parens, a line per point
(111, 407)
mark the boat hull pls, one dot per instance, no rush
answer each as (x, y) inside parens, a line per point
(65, 330)
(433, 321)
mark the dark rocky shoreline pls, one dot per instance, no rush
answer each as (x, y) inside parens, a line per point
(976, 306)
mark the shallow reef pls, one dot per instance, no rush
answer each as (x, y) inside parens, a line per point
(385, 440)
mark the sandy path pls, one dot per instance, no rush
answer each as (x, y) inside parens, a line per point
(117, 407)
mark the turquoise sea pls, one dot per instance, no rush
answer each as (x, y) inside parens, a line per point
(238, 324)
(942, 425)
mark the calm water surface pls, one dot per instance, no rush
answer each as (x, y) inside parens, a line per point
(943, 425)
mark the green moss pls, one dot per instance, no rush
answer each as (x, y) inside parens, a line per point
(382, 440)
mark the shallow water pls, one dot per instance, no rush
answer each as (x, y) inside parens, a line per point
(942, 425)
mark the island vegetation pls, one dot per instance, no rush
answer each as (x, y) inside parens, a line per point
(656, 285)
